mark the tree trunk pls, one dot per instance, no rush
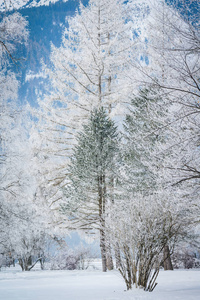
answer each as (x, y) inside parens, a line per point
(103, 250)
(167, 259)
(102, 203)
(42, 262)
(117, 256)
(30, 261)
(21, 263)
(109, 260)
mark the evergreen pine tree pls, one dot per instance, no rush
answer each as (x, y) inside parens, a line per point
(91, 172)
(142, 135)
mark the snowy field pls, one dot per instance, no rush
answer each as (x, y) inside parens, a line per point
(94, 285)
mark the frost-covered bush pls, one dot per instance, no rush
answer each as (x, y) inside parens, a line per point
(185, 259)
(30, 249)
(6, 260)
(142, 227)
(71, 259)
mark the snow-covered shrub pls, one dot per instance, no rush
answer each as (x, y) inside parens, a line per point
(6, 260)
(185, 259)
(31, 249)
(71, 259)
(142, 227)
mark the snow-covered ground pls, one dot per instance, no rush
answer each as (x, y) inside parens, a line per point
(94, 285)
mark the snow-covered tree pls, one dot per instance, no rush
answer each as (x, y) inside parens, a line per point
(90, 69)
(13, 28)
(89, 191)
(26, 221)
(25, 218)
(142, 136)
(150, 217)
(174, 62)
(14, 31)
(173, 55)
